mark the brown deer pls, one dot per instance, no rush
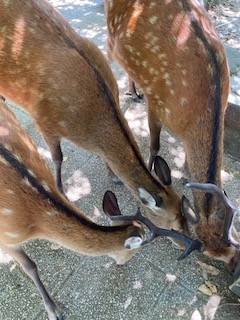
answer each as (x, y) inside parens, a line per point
(66, 85)
(172, 51)
(32, 208)
(221, 241)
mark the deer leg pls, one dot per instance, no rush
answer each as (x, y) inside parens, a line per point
(113, 176)
(133, 91)
(53, 143)
(30, 269)
(155, 129)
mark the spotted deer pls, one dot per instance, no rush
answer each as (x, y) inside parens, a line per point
(66, 85)
(32, 208)
(170, 49)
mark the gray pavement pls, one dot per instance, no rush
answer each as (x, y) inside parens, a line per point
(153, 285)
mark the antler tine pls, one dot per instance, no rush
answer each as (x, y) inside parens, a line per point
(212, 188)
(231, 210)
(191, 244)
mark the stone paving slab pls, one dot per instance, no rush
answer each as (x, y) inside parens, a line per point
(153, 285)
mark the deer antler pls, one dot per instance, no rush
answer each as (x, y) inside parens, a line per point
(231, 210)
(191, 244)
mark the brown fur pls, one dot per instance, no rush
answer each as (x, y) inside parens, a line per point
(32, 208)
(172, 51)
(30, 214)
(68, 88)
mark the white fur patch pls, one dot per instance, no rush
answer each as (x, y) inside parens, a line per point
(133, 243)
(6, 211)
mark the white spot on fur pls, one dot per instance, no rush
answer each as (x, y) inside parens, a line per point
(168, 83)
(110, 3)
(137, 62)
(17, 156)
(210, 68)
(148, 35)
(62, 124)
(149, 90)
(152, 4)
(115, 20)
(31, 173)
(168, 112)
(3, 160)
(45, 186)
(152, 71)
(183, 102)
(155, 49)
(153, 19)
(129, 48)
(27, 182)
(10, 191)
(52, 214)
(12, 235)
(6, 211)
(6, 2)
(166, 76)
(128, 33)
(162, 56)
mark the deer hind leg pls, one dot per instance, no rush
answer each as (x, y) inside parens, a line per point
(30, 269)
(155, 127)
(132, 91)
(113, 176)
(53, 143)
(186, 176)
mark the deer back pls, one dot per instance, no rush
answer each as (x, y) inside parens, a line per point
(68, 88)
(171, 50)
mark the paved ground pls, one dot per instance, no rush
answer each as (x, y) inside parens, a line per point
(153, 285)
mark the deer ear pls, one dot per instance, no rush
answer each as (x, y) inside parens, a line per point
(110, 204)
(188, 212)
(162, 170)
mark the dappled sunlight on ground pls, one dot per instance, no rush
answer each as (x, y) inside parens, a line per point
(78, 186)
(64, 3)
(4, 257)
(137, 120)
(196, 315)
(178, 154)
(96, 215)
(122, 82)
(226, 176)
